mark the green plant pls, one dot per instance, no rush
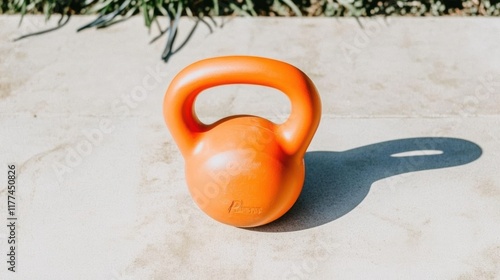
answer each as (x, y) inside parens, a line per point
(110, 12)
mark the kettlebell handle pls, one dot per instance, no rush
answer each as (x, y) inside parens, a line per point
(294, 135)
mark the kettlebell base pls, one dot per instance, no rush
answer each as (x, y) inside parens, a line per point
(235, 197)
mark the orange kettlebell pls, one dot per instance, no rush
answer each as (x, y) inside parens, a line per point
(243, 170)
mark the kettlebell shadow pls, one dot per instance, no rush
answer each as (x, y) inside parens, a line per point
(337, 182)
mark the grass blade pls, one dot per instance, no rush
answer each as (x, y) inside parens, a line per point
(294, 7)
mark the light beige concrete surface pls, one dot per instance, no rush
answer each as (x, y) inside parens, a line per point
(101, 191)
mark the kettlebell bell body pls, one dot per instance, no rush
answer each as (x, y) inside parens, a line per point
(243, 170)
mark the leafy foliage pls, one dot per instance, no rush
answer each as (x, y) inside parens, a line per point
(113, 11)
(150, 9)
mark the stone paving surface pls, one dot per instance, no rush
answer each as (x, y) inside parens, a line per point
(101, 192)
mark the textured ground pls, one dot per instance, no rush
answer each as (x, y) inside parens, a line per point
(101, 191)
